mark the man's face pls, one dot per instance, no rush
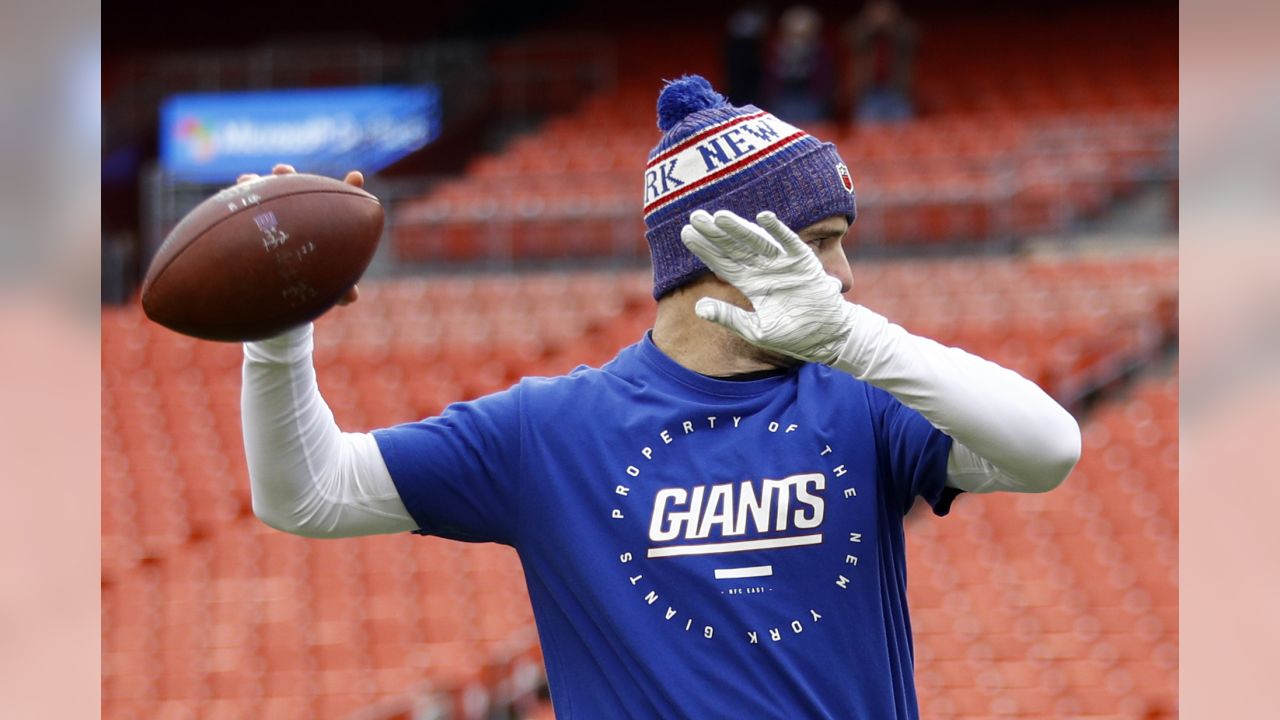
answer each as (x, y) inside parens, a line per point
(826, 237)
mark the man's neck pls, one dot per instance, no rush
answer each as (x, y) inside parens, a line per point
(703, 346)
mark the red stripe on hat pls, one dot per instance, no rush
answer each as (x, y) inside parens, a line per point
(727, 169)
(701, 135)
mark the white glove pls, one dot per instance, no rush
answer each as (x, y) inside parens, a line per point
(799, 310)
(1023, 441)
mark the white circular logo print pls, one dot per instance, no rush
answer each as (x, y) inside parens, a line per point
(743, 539)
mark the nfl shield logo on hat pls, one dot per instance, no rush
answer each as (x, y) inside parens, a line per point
(845, 178)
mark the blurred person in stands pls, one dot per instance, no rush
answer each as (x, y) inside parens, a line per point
(744, 53)
(712, 523)
(799, 80)
(882, 46)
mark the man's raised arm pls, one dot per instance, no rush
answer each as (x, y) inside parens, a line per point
(307, 476)
(1009, 434)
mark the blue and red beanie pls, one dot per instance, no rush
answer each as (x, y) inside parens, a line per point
(715, 156)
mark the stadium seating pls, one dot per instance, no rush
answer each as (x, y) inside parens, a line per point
(1026, 128)
(1060, 605)
(935, 180)
(208, 613)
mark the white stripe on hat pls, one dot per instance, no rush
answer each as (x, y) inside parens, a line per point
(730, 149)
(703, 134)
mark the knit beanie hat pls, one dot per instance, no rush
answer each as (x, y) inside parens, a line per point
(715, 156)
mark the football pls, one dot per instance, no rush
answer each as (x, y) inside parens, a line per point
(261, 257)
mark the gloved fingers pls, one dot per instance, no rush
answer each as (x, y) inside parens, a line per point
(747, 235)
(708, 252)
(733, 317)
(704, 224)
(783, 235)
(702, 221)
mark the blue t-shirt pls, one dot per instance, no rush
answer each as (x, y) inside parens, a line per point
(694, 547)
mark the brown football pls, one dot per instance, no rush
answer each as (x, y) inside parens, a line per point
(261, 257)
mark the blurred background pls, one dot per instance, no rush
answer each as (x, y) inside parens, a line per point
(1017, 172)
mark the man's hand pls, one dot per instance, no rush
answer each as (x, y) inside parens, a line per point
(354, 177)
(799, 310)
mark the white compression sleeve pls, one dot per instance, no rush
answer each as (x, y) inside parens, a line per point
(1009, 434)
(307, 476)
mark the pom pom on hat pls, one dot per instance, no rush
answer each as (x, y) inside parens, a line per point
(684, 96)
